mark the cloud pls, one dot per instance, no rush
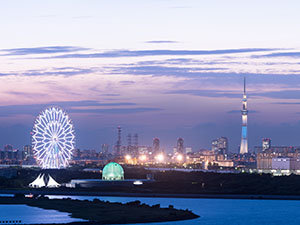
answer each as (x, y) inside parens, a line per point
(75, 107)
(115, 110)
(65, 71)
(206, 93)
(141, 53)
(127, 82)
(239, 111)
(161, 42)
(184, 61)
(280, 54)
(284, 94)
(26, 94)
(161, 70)
(42, 50)
(286, 103)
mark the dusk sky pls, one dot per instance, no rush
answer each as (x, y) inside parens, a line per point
(158, 68)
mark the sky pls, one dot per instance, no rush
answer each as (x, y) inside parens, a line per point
(159, 68)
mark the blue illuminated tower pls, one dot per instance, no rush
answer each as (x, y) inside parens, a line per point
(244, 141)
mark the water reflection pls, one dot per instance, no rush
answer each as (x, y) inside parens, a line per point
(33, 215)
(222, 211)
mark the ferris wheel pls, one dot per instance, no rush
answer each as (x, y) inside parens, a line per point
(53, 138)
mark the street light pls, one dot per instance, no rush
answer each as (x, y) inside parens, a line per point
(160, 157)
(127, 157)
(143, 158)
(179, 157)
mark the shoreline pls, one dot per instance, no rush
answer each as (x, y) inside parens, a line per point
(152, 195)
(103, 212)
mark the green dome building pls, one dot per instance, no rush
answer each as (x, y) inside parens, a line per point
(113, 171)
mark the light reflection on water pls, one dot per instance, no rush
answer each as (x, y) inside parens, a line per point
(32, 215)
(222, 211)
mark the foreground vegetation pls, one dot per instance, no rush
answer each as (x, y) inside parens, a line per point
(100, 212)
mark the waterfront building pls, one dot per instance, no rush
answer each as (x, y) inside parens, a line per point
(113, 171)
(285, 166)
(220, 145)
(277, 158)
(244, 139)
(266, 143)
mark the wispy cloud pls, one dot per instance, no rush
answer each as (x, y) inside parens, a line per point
(42, 50)
(284, 94)
(280, 54)
(65, 71)
(116, 110)
(76, 107)
(239, 111)
(286, 103)
(161, 70)
(161, 42)
(141, 53)
(206, 93)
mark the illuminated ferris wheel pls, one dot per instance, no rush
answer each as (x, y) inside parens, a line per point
(53, 138)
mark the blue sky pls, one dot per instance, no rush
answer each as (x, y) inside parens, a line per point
(157, 68)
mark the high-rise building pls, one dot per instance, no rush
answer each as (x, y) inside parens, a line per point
(129, 142)
(105, 148)
(8, 147)
(156, 145)
(220, 145)
(28, 152)
(244, 140)
(76, 154)
(136, 140)
(180, 147)
(188, 150)
(266, 143)
(118, 144)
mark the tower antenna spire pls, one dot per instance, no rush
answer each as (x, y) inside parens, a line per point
(244, 85)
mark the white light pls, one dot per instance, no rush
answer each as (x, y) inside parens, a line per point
(160, 157)
(179, 157)
(53, 138)
(143, 158)
(127, 157)
(138, 182)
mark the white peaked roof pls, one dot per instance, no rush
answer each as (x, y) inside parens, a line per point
(52, 183)
(38, 182)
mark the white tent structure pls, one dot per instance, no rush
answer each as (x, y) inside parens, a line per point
(38, 182)
(52, 183)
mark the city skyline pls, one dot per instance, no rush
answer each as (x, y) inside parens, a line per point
(184, 81)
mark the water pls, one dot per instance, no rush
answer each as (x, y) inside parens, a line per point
(33, 215)
(222, 211)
